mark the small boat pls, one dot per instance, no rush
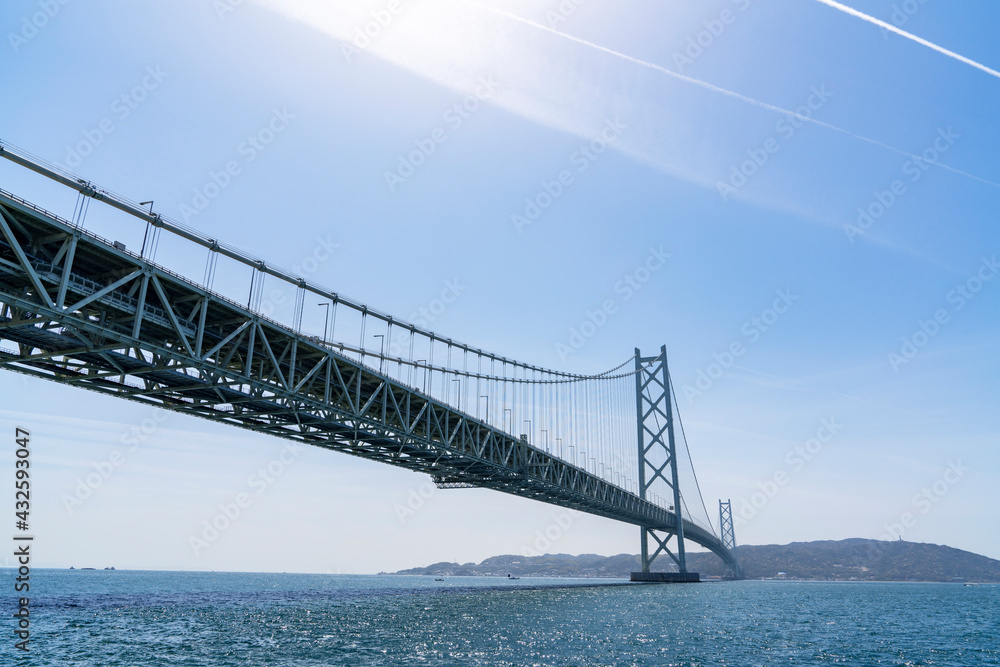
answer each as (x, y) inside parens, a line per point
(512, 578)
(439, 580)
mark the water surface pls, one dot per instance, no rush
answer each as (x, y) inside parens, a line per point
(222, 619)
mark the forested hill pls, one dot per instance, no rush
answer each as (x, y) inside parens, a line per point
(853, 559)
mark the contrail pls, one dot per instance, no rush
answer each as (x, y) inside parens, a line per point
(729, 93)
(907, 35)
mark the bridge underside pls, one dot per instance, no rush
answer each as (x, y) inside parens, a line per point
(77, 310)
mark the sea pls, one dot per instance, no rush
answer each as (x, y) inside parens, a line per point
(106, 618)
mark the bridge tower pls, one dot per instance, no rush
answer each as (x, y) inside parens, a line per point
(726, 524)
(658, 458)
(728, 535)
(727, 532)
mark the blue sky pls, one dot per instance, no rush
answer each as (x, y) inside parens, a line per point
(151, 99)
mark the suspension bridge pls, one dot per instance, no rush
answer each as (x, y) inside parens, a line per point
(89, 312)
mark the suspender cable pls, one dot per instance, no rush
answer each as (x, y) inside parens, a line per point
(479, 391)
(409, 366)
(465, 390)
(446, 385)
(430, 363)
(361, 345)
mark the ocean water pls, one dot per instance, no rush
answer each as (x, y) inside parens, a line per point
(221, 619)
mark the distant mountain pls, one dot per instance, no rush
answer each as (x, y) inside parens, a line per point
(844, 560)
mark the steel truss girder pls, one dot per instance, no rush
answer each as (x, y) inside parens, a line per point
(126, 335)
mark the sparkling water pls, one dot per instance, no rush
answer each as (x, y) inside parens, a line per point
(220, 619)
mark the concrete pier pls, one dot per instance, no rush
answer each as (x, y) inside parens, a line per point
(667, 577)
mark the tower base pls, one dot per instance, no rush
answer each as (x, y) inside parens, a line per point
(667, 577)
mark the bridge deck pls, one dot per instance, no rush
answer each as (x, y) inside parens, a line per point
(84, 312)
